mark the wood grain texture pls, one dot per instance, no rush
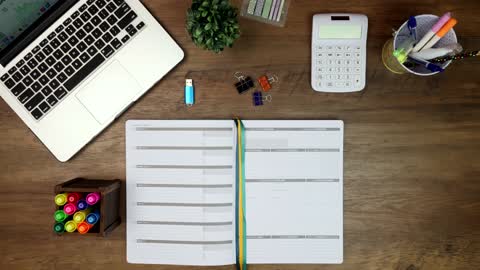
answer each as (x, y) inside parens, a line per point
(412, 163)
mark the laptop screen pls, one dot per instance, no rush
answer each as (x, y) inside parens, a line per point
(16, 16)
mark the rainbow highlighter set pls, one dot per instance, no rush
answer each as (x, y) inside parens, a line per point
(79, 212)
(87, 207)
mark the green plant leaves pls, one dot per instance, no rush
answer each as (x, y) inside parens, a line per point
(212, 24)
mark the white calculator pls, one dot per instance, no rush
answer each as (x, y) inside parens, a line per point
(339, 52)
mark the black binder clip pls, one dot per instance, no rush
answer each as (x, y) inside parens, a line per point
(244, 83)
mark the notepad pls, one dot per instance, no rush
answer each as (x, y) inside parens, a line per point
(182, 182)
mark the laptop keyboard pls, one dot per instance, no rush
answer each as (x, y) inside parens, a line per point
(70, 54)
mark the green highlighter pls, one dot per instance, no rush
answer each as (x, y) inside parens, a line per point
(266, 8)
(60, 216)
(59, 227)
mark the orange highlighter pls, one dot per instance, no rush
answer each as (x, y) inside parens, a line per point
(84, 227)
(441, 33)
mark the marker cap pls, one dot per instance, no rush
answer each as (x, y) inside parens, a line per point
(83, 227)
(61, 199)
(69, 208)
(93, 198)
(93, 218)
(59, 227)
(60, 215)
(449, 25)
(79, 217)
(70, 226)
(441, 22)
(73, 197)
(82, 204)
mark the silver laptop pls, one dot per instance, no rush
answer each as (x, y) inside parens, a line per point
(69, 68)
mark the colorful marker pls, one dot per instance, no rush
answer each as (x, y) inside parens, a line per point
(84, 227)
(404, 49)
(59, 227)
(61, 199)
(60, 216)
(412, 26)
(441, 22)
(82, 204)
(428, 65)
(70, 226)
(441, 33)
(74, 197)
(93, 218)
(69, 209)
(80, 216)
(93, 198)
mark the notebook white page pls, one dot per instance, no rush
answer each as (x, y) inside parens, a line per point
(294, 191)
(181, 192)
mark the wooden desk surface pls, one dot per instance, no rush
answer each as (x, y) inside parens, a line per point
(412, 163)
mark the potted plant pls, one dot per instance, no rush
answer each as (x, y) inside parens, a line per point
(213, 24)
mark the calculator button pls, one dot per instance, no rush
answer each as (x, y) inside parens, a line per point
(321, 69)
(348, 48)
(338, 70)
(338, 62)
(357, 55)
(320, 62)
(348, 84)
(330, 55)
(330, 70)
(329, 77)
(339, 55)
(357, 70)
(320, 48)
(357, 80)
(339, 48)
(357, 48)
(339, 84)
(348, 70)
(329, 84)
(320, 55)
(356, 62)
(348, 55)
(329, 48)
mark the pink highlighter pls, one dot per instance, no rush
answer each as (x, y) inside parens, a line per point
(92, 198)
(69, 209)
(436, 27)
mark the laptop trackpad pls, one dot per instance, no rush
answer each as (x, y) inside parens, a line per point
(109, 92)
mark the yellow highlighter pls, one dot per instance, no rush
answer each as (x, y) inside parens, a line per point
(61, 199)
(80, 216)
(70, 226)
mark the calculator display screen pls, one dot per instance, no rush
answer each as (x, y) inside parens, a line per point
(340, 31)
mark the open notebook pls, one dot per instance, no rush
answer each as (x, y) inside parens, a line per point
(181, 192)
